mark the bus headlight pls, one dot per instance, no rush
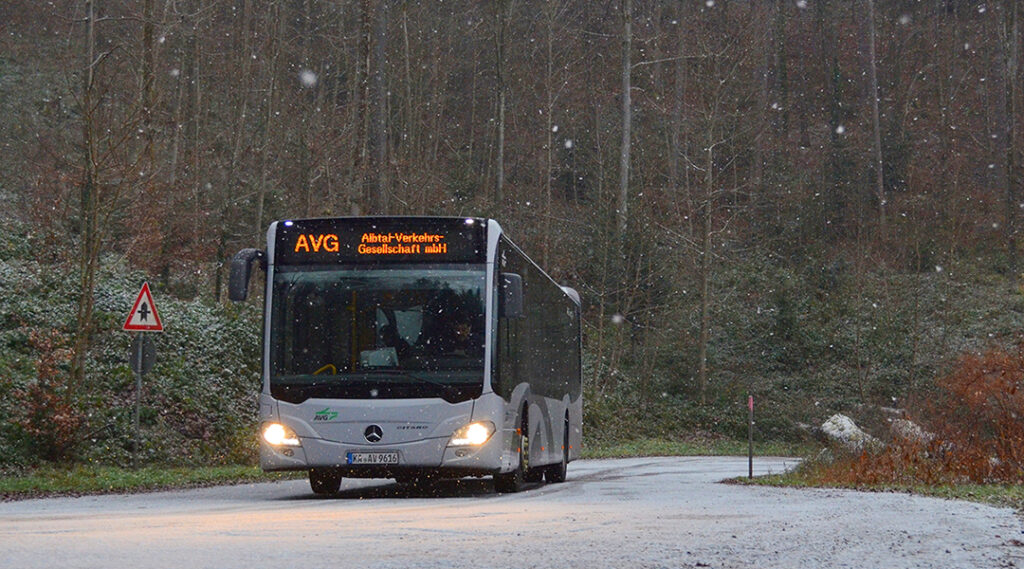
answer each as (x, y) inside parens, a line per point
(473, 434)
(279, 435)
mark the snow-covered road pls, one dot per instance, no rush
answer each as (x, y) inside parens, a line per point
(654, 512)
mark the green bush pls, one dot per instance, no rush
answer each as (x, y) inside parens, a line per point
(199, 401)
(808, 338)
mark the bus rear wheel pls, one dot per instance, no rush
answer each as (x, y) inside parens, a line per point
(324, 481)
(555, 473)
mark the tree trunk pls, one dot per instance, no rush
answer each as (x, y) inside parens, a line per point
(1011, 47)
(410, 130)
(197, 125)
(705, 275)
(379, 167)
(679, 183)
(231, 184)
(780, 71)
(148, 84)
(621, 210)
(549, 110)
(276, 22)
(89, 206)
(500, 38)
(675, 149)
(875, 123)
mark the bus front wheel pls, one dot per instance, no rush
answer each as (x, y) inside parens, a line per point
(514, 481)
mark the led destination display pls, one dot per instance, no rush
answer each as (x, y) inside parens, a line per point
(402, 244)
(360, 240)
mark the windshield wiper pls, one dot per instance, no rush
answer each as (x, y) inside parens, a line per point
(449, 389)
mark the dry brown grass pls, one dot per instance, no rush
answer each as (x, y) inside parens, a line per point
(976, 419)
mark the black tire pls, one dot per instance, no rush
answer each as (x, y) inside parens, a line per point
(534, 475)
(515, 481)
(555, 473)
(324, 481)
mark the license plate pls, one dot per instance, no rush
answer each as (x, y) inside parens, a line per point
(372, 458)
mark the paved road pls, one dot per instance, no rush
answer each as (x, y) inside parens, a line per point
(635, 513)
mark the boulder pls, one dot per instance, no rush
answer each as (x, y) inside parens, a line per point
(910, 431)
(842, 431)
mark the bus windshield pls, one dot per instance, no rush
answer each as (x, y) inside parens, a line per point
(364, 333)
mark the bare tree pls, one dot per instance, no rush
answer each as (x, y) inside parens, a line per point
(1011, 48)
(89, 204)
(622, 206)
(555, 14)
(502, 13)
(876, 128)
(148, 79)
(379, 157)
(271, 108)
(727, 91)
(110, 161)
(707, 211)
(678, 172)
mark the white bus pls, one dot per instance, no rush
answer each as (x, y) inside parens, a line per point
(413, 348)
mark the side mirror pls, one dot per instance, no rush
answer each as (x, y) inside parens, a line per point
(241, 271)
(511, 301)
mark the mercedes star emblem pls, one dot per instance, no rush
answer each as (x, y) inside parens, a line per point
(373, 433)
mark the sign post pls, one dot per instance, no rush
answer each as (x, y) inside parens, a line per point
(750, 436)
(142, 318)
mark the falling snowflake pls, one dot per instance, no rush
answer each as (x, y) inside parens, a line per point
(307, 78)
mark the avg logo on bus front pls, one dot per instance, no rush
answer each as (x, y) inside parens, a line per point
(307, 243)
(395, 243)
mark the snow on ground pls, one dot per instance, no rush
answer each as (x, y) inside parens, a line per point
(634, 513)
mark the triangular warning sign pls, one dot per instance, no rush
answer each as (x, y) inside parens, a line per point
(143, 317)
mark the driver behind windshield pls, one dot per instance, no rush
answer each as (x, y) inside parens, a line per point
(453, 328)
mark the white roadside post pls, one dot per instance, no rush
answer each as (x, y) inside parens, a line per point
(142, 318)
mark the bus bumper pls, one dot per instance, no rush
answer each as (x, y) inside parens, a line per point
(417, 458)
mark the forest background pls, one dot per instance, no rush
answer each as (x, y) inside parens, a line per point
(815, 202)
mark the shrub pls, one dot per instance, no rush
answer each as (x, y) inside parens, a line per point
(978, 417)
(976, 421)
(198, 404)
(49, 417)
